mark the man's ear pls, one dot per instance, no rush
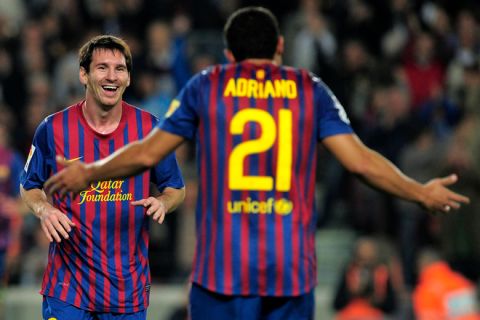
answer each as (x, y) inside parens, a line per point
(82, 75)
(277, 57)
(229, 55)
(280, 45)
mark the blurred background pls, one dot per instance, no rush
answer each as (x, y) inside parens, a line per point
(407, 73)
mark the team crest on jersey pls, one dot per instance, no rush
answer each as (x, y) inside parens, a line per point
(173, 106)
(30, 155)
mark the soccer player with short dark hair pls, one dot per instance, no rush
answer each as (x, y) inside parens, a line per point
(98, 258)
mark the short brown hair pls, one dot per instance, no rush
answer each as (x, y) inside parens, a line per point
(108, 42)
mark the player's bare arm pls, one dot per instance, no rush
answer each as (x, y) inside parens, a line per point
(161, 203)
(380, 173)
(55, 224)
(125, 162)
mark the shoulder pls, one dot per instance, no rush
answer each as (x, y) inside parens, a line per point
(207, 74)
(144, 114)
(61, 113)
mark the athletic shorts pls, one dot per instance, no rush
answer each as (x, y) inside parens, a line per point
(208, 305)
(55, 309)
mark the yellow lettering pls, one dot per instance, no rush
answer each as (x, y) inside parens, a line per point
(230, 89)
(291, 89)
(278, 88)
(241, 87)
(269, 90)
(281, 207)
(252, 89)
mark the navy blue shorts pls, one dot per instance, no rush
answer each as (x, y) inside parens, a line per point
(208, 305)
(55, 309)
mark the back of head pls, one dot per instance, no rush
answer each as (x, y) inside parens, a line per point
(252, 33)
(428, 256)
(106, 42)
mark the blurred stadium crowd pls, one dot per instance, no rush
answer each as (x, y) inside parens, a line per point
(406, 71)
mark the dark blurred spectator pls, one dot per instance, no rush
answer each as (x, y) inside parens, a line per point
(422, 158)
(440, 24)
(388, 129)
(365, 289)
(466, 58)
(441, 292)
(11, 165)
(422, 71)
(165, 55)
(313, 42)
(403, 23)
(354, 79)
(440, 113)
(459, 237)
(365, 20)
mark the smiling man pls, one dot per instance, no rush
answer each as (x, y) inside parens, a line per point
(98, 258)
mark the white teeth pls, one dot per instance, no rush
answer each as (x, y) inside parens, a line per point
(110, 87)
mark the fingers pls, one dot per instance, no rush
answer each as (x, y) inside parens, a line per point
(449, 180)
(139, 202)
(61, 161)
(47, 233)
(159, 216)
(57, 226)
(154, 207)
(459, 198)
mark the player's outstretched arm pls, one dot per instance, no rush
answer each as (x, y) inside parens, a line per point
(380, 173)
(55, 224)
(125, 162)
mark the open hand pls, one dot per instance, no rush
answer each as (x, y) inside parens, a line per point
(73, 178)
(154, 207)
(440, 198)
(55, 224)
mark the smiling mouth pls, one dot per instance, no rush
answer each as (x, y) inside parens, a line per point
(110, 88)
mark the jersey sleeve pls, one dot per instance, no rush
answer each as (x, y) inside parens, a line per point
(36, 169)
(182, 116)
(167, 174)
(332, 118)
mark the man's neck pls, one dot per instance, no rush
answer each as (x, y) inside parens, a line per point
(260, 61)
(102, 120)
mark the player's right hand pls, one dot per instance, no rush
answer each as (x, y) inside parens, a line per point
(72, 179)
(55, 224)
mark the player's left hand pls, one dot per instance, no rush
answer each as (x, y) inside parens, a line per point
(73, 178)
(154, 207)
(439, 198)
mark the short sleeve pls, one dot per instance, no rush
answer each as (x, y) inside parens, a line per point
(332, 118)
(36, 169)
(167, 174)
(182, 116)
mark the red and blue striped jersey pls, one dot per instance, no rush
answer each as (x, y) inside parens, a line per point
(104, 265)
(256, 129)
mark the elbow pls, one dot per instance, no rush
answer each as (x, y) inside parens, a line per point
(364, 167)
(148, 161)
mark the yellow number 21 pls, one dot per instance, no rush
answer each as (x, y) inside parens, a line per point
(237, 179)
